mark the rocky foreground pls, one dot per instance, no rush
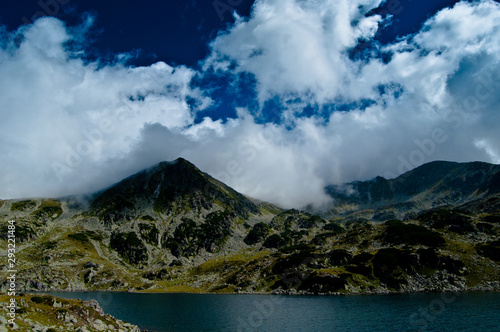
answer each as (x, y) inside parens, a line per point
(45, 313)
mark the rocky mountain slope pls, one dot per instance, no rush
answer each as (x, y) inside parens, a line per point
(431, 185)
(168, 190)
(174, 228)
(50, 314)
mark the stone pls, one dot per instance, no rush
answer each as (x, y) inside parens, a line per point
(94, 305)
(89, 265)
(82, 329)
(99, 325)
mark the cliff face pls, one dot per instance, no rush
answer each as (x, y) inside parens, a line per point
(174, 228)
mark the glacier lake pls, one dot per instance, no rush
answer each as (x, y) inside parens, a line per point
(220, 312)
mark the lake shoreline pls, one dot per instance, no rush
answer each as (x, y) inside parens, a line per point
(302, 293)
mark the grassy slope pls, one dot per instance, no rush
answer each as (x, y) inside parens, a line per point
(63, 246)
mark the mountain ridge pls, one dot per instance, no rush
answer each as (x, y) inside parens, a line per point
(431, 185)
(173, 228)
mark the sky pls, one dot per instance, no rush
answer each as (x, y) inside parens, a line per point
(276, 98)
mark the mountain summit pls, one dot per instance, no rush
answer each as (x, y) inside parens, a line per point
(168, 189)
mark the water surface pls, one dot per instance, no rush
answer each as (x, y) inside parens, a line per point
(203, 312)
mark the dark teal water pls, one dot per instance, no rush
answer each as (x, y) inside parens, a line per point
(408, 312)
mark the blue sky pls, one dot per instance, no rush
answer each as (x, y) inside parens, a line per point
(277, 98)
(177, 31)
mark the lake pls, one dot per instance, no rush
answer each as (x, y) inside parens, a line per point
(203, 312)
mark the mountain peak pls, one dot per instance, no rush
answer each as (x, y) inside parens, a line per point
(178, 161)
(169, 189)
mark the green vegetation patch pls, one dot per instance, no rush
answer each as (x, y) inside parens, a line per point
(85, 236)
(149, 233)
(23, 206)
(319, 284)
(147, 218)
(216, 229)
(49, 245)
(275, 241)
(322, 238)
(184, 241)
(390, 265)
(258, 233)
(448, 219)
(494, 219)
(334, 227)
(189, 238)
(24, 233)
(48, 300)
(48, 210)
(310, 222)
(490, 250)
(130, 247)
(398, 232)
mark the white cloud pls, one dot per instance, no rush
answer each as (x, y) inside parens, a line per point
(437, 82)
(69, 126)
(63, 118)
(297, 46)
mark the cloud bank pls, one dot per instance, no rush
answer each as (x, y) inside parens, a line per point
(72, 126)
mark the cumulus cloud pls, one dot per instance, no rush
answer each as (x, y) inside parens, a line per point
(63, 118)
(298, 47)
(71, 126)
(434, 96)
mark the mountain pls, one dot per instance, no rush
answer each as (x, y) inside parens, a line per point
(431, 185)
(169, 189)
(173, 228)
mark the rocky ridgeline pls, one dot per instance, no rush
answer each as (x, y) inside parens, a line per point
(174, 228)
(47, 313)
